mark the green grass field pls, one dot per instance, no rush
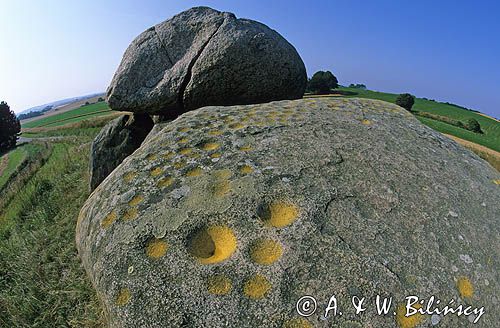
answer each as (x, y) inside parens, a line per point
(64, 133)
(71, 116)
(42, 283)
(490, 127)
(14, 159)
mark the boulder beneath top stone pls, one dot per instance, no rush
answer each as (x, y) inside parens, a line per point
(229, 215)
(118, 139)
(204, 57)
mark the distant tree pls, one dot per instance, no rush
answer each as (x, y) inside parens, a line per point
(322, 82)
(406, 101)
(100, 99)
(357, 86)
(473, 125)
(9, 127)
(34, 113)
(87, 103)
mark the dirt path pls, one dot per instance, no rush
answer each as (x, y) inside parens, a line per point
(23, 140)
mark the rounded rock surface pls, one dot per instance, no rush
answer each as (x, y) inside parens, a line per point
(205, 57)
(357, 209)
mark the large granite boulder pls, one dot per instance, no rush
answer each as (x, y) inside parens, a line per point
(229, 215)
(118, 139)
(205, 57)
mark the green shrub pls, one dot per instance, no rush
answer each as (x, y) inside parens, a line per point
(473, 125)
(357, 86)
(322, 82)
(406, 101)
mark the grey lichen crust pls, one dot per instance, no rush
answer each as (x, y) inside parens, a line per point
(228, 215)
(205, 57)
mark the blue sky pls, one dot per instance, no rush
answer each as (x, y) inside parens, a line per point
(443, 50)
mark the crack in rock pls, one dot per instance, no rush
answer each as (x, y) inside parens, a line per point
(188, 76)
(163, 46)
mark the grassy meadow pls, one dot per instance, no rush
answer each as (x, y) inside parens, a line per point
(71, 116)
(83, 128)
(42, 283)
(10, 163)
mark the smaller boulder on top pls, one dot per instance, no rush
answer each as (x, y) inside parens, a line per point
(204, 57)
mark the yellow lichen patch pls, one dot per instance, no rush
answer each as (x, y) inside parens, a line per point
(130, 214)
(156, 248)
(366, 122)
(222, 188)
(256, 287)
(465, 287)
(179, 165)
(156, 172)
(246, 169)
(193, 155)
(266, 251)
(297, 323)
(195, 172)
(411, 321)
(219, 285)
(185, 151)
(215, 155)
(123, 297)
(184, 129)
(151, 157)
(136, 200)
(245, 148)
(279, 214)
(129, 176)
(497, 182)
(183, 140)
(221, 184)
(165, 182)
(236, 126)
(210, 146)
(215, 132)
(213, 244)
(168, 155)
(108, 220)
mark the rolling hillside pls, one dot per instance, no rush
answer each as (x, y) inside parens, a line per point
(491, 127)
(71, 116)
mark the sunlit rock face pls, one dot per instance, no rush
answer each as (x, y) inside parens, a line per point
(228, 215)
